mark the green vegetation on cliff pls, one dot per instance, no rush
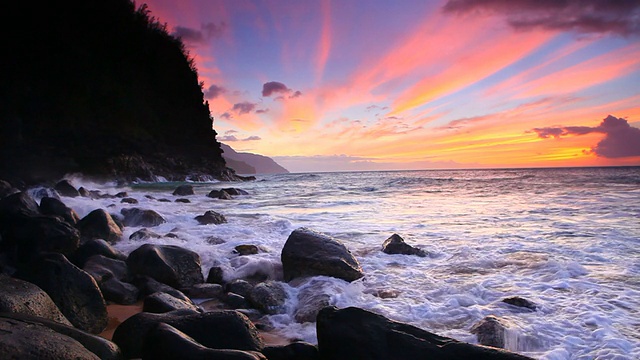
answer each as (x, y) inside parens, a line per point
(100, 87)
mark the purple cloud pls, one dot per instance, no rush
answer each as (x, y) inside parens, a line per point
(621, 139)
(295, 95)
(244, 107)
(214, 91)
(619, 17)
(262, 111)
(194, 36)
(232, 138)
(226, 116)
(274, 87)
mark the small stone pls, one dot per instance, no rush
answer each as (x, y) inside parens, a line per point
(246, 249)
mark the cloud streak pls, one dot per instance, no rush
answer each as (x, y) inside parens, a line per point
(200, 36)
(621, 139)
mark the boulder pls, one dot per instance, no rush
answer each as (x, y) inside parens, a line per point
(119, 292)
(219, 194)
(22, 297)
(490, 331)
(121, 194)
(141, 217)
(103, 268)
(298, 350)
(53, 206)
(64, 188)
(246, 249)
(268, 297)
(103, 348)
(216, 275)
(354, 333)
(33, 235)
(16, 205)
(169, 264)
(396, 245)
(309, 253)
(26, 340)
(239, 286)
(211, 217)
(129, 200)
(311, 299)
(95, 247)
(83, 192)
(184, 190)
(6, 189)
(183, 200)
(226, 329)
(45, 192)
(235, 191)
(162, 302)
(205, 291)
(235, 301)
(144, 233)
(517, 301)
(166, 342)
(148, 286)
(74, 291)
(98, 224)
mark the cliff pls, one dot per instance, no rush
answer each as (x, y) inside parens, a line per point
(248, 163)
(101, 88)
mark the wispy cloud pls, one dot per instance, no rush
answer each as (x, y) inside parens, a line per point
(200, 36)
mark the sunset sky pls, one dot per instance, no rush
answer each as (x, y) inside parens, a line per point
(415, 84)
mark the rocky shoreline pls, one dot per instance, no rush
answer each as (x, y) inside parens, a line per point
(59, 274)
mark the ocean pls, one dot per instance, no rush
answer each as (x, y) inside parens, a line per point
(567, 239)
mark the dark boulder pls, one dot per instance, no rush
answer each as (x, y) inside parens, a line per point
(211, 217)
(32, 235)
(216, 275)
(64, 188)
(74, 291)
(103, 348)
(166, 342)
(121, 195)
(184, 190)
(246, 249)
(45, 192)
(517, 301)
(295, 351)
(95, 247)
(99, 224)
(490, 331)
(19, 204)
(6, 189)
(268, 297)
(309, 253)
(182, 200)
(396, 245)
(53, 206)
(162, 302)
(129, 200)
(235, 191)
(83, 192)
(26, 340)
(219, 194)
(102, 268)
(354, 333)
(22, 297)
(148, 286)
(239, 286)
(119, 292)
(169, 264)
(205, 291)
(235, 301)
(141, 217)
(144, 233)
(216, 329)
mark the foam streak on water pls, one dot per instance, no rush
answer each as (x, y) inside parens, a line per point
(566, 239)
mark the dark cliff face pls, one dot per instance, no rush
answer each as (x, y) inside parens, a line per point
(99, 87)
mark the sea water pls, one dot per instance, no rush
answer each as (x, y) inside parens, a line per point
(566, 239)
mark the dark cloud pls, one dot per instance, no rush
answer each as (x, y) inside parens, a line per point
(244, 107)
(375, 107)
(231, 132)
(621, 139)
(214, 91)
(295, 95)
(262, 111)
(232, 138)
(204, 34)
(274, 87)
(226, 116)
(620, 17)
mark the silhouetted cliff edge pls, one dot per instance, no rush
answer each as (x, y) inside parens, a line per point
(100, 87)
(249, 163)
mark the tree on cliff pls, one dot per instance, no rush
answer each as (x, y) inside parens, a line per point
(96, 86)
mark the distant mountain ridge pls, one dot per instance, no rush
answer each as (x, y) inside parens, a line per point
(248, 163)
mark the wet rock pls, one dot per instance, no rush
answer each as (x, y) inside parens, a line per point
(268, 297)
(119, 292)
(148, 286)
(309, 253)
(239, 286)
(26, 340)
(166, 342)
(384, 293)
(83, 192)
(184, 190)
(171, 236)
(520, 302)
(169, 264)
(211, 217)
(214, 240)
(216, 275)
(45, 192)
(235, 191)
(164, 200)
(162, 302)
(99, 224)
(143, 234)
(490, 331)
(205, 291)
(219, 194)
(101, 347)
(217, 329)
(311, 299)
(354, 333)
(246, 249)
(53, 206)
(95, 247)
(129, 200)
(235, 301)
(141, 217)
(75, 292)
(64, 188)
(121, 194)
(295, 351)
(102, 268)
(396, 245)
(6, 189)
(182, 200)
(22, 297)
(17, 205)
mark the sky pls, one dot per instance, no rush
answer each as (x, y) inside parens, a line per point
(355, 85)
